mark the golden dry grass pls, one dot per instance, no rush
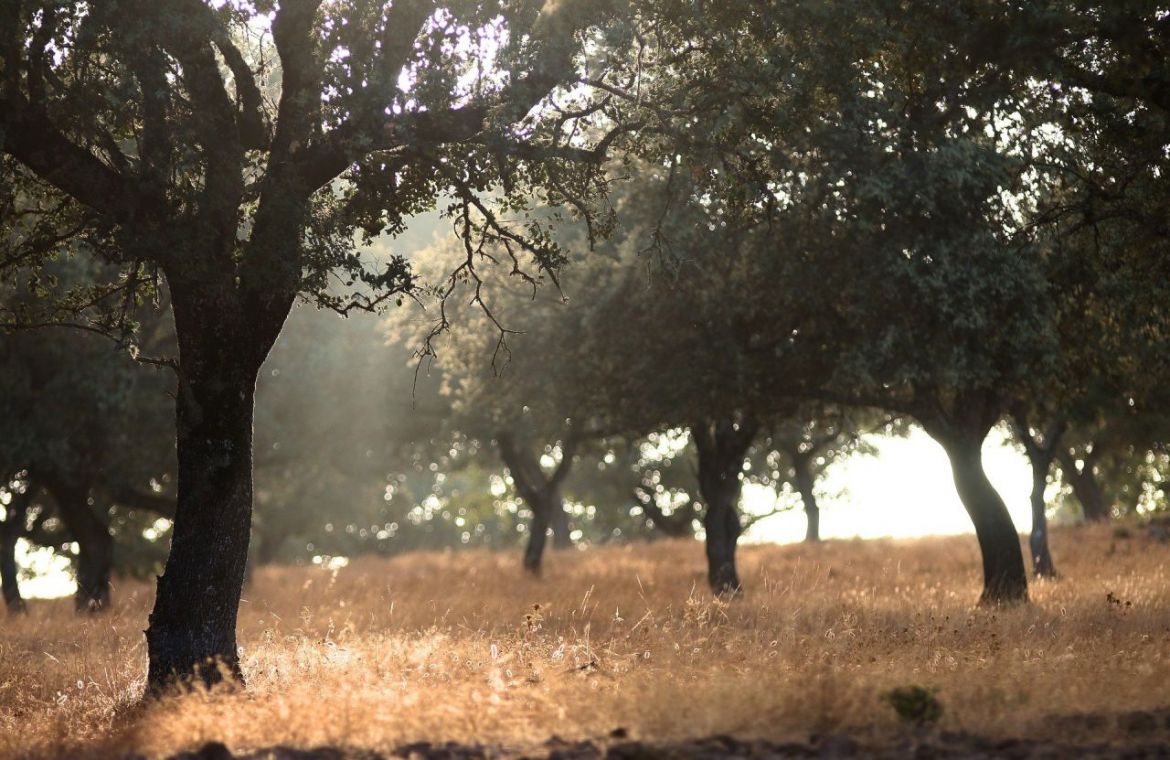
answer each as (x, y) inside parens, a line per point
(452, 646)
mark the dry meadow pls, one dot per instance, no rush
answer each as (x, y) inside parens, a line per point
(461, 646)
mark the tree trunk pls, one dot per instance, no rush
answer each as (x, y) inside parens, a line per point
(192, 633)
(10, 531)
(542, 495)
(722, 448)
(1041, 450)
(537, 534)
(95, 557)
(1004, 577)
(1085, 487)
(801, 466)
(1042, 564)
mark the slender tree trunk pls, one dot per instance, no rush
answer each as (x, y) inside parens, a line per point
(805, 484)
(1004, 577)
(192, 632)
(10, 531)
(1041, 450)
(722, 448)
(537, 534)
(1085, 487)
(1042, 564)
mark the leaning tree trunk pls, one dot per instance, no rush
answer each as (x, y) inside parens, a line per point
(1004, 578)
(95, 556)
(10, 531)
(192, 633)
(805, 483)
(722, 448)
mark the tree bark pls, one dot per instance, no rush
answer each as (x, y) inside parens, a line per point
(1004, 577)
(191, 638)
(537, 536)
(722, 447)
(1042, 564)
(1040, 453)
(10, 531)
(95, 557)
(542, 495)
(1087, 490)
(805, 485)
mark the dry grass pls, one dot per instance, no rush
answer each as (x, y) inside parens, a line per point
(453, 647)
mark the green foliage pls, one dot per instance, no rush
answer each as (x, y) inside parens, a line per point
(914, 704)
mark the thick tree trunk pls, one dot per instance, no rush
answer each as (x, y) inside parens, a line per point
(1004, 577)
(1085, 487)
(10, 531)
(722, 448)
(192, 632)
(722, 526)
(805, 485)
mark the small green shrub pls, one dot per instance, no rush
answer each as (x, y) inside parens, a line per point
(914, 704)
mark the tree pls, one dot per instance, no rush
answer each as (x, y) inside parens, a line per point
(81, 464)
(812, 439)
(505, 359)
(872, 144)
(150, 120)
(1041, 447)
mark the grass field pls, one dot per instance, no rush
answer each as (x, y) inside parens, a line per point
(461, 646)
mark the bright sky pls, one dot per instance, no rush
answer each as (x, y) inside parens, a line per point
(904, 491)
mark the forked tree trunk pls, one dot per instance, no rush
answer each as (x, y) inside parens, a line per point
(722, 447)
(192, 632)
(1041, 452)
(542, 495)
(805, 485)
(1004, 578)
(10, 531)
